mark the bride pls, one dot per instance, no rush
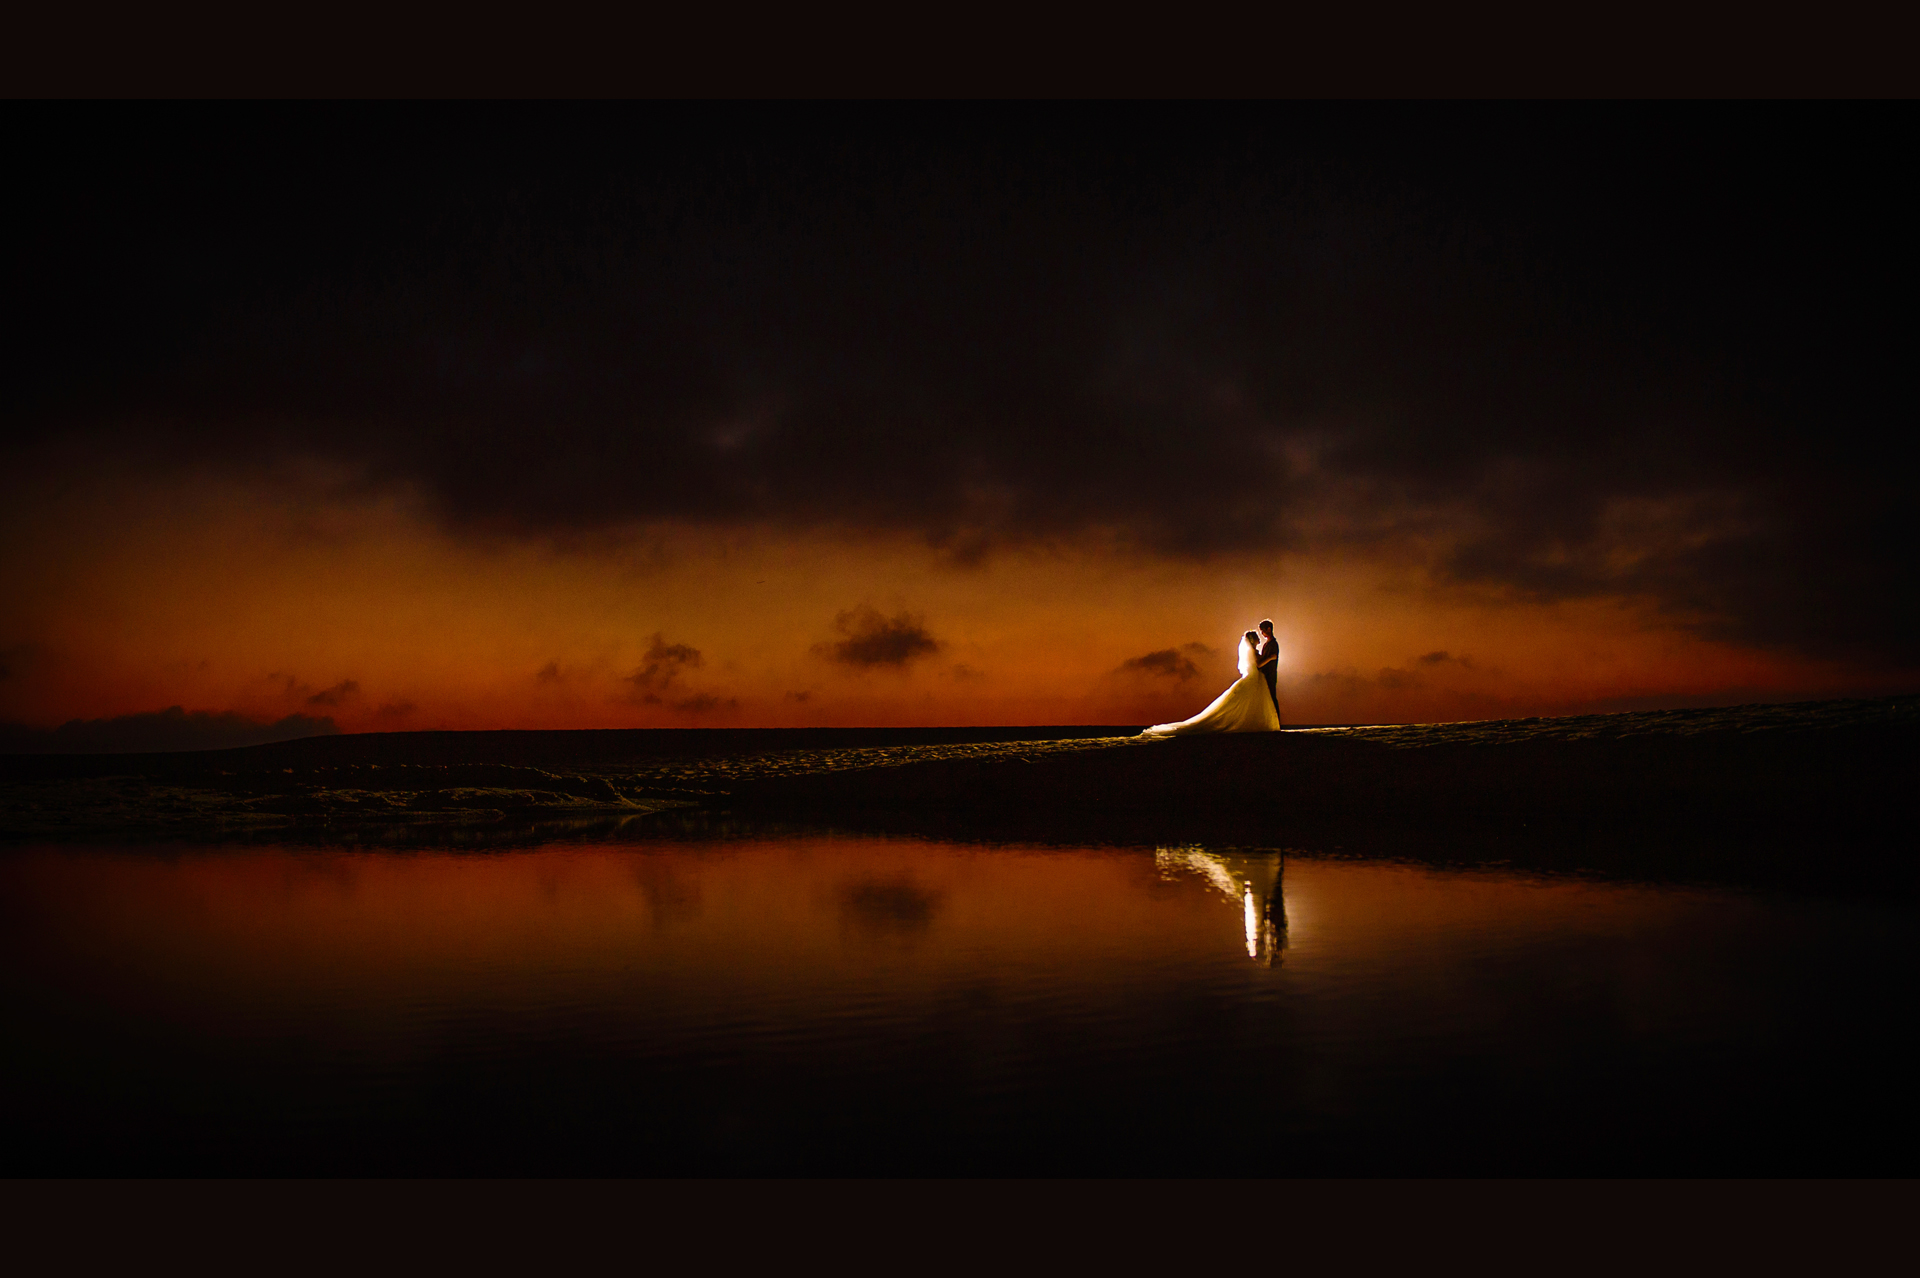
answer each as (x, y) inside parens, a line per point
(1244, 707)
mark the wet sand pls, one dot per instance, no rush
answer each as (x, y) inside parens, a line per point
(1815, 793)
(353, 784)
(1767, 795)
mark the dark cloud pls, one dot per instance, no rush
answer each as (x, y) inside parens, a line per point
(1172, 663)
(662, 668)
(335, 695)
(872, 641)
(1347, 681)
(393, 711)
(1349, 685)
(705, 703)
(1416, 674)
(1562, 351)
(159, 730)
(549, 673)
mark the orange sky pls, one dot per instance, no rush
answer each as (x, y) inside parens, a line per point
(226, 595)
(652, 416)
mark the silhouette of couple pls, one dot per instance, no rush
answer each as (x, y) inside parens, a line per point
(1252, 704)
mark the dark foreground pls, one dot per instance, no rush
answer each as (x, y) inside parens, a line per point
(825, 1004)
(1664, 944)
(1812, 795)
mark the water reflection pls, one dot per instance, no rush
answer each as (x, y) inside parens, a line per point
(1253, 880)
(897, 909)
(793, 1004)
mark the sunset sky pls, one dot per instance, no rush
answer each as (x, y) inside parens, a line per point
(595, 416)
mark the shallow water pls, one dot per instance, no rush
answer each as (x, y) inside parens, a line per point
(837, 1004)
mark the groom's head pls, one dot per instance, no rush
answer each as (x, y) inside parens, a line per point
(1266, 628)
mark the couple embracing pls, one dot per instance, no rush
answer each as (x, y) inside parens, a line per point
(1252, 704)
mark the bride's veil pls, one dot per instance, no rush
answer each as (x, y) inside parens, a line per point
(1246, 657)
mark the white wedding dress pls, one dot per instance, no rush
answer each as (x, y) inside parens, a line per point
(1244, 707)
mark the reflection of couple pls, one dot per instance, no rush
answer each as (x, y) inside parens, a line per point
(1252, 704)
(1253, 879)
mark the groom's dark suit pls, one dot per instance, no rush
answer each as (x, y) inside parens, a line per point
(1269, 653)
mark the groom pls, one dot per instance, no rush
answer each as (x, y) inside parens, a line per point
(1268, 655)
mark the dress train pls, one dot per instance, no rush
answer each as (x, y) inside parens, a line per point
(1243, 707)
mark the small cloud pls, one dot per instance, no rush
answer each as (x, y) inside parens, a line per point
(968, 548)
(1344, 682)
(703, 703)
(967, 674)
(290, 687)
(663, 666)
(801, 697)
(872, 641)
(395, 710)
(1168, 663)
(1350, 682)
(335, 695)
(160, 730)
(549, 673)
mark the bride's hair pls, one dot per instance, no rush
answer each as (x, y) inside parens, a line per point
(1252, 636)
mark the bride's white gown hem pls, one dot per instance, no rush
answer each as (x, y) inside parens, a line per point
(1244, 707)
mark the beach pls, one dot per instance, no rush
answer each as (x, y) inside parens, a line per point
(1595, 945)
(1812, 792)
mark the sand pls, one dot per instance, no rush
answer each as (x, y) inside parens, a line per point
(1813, 794)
